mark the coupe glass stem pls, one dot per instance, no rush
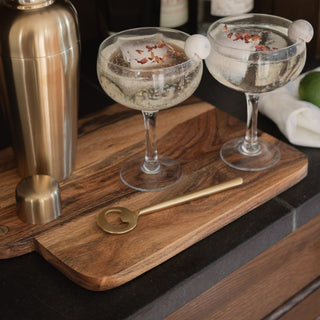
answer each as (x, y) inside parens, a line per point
(151, 163)
(250, 144)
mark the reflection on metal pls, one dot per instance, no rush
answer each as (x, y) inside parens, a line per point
(39, 80)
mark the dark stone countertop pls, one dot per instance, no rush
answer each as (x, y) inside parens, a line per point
(33, 289)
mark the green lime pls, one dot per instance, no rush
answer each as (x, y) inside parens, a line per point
(309, 88)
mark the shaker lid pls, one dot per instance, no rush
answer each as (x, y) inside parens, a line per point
(30, 3)
(49, 30)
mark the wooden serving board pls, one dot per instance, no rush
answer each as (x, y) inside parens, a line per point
(193, 134)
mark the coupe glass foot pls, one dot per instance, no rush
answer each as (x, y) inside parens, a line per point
(266, 157)
(166, 177)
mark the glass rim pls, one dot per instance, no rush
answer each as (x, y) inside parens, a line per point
(151, 69)
(231, 18)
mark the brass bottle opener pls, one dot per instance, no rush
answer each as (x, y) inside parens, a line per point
(130, 218)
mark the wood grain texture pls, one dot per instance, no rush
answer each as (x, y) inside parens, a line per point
(193, 134)
(304, 304)
(260, 286)
(308, 309)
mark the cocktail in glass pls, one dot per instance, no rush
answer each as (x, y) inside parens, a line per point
(146, 69)
(253, 53)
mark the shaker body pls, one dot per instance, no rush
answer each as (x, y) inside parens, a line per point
(39, 77)
(43, 113)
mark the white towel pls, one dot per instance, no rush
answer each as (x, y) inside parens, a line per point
(298, 120)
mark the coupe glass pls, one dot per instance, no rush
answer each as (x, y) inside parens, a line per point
(146, 69)
(252, 53)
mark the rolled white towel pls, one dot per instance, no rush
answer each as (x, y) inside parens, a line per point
(298, 120)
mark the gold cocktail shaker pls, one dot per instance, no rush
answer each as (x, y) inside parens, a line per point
(39, 83)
